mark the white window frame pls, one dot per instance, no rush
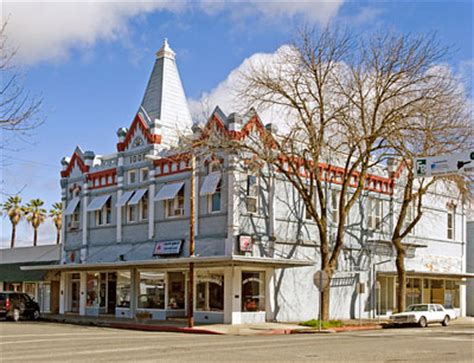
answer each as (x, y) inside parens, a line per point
(101, 215)
(143, 215)
(374, 221)
(129, 209)
(129, 174)
(210, 196)
(252, 196)
(450, 229)
(335, 195)
(176, 202)
(142, 171)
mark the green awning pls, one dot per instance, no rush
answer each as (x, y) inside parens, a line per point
(11, 272)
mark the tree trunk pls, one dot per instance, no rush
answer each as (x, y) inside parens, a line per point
(13, 236)
(325, 304)
(402, 286)
(35, 237)
(58, 236)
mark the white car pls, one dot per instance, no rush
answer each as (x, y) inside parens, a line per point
(424, 314)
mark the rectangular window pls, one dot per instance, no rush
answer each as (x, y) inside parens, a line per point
(144, 207)
(132, 177)
(132, 211)
(123, 289)
(335, 195)
(104, 216)
(450, 226)
(252, 194)
(253, 291)
(210, 292)
(152, 290)
(144, 174)
(92, 290)
(176, 290)
(175, 207)
(74, 223)
(215, 200)
(375, 213)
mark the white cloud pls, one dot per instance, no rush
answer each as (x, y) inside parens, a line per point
(49, 31)
(225, 96)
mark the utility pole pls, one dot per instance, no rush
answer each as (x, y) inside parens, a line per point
(191, 244)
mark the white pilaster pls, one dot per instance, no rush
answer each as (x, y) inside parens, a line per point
(85, 203)
(119, 209)
(232, 205)
(62, 293)
(236, 303)
(151, 206)
(83, 293)
(196, 205)
(270, 294)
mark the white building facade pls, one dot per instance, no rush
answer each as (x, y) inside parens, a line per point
(127, 217)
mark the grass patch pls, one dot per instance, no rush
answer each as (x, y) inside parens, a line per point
(314, 323)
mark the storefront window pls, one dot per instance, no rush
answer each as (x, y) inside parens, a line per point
(30, 289)
(176, 289)
(123, 289)
(451, 294)
(437, 292)
(92, 290)
(210, 292)
(413, 291)
(253, 291)
(152, 290)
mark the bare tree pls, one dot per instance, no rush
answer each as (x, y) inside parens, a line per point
(19, 110)
(341, 100)
(442, 125)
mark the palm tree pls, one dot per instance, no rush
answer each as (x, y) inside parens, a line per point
(35, 215)
(56, 213)
(14, 211)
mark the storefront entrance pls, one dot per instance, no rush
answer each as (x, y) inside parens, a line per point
(108, 293)
(74, 288)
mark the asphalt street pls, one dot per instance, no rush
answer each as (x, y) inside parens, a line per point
(40, 341)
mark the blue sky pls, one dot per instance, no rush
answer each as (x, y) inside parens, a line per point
(91, 64)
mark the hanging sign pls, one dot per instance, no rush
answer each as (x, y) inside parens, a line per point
(444, 165)
(245, 243)
(168, 247)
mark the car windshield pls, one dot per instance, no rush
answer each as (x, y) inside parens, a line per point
(418, 308)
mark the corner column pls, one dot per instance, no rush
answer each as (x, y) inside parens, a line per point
(151, 205)
(62, 293)
(83, 293)
(85, 203)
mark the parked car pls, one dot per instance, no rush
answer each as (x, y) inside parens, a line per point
(424, 314)
(16, 305)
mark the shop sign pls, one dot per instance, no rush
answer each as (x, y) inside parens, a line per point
(168, 247)
(245, 243)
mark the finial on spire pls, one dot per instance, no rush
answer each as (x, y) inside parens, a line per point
(165, 51)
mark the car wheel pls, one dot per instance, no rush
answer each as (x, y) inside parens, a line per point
(16, 315)
(423, 322)
(445, 321)
(36, 315)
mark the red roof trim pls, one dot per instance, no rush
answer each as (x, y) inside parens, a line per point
(138, 122)
(76, 159)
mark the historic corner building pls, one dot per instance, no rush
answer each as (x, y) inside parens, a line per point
(127, 217)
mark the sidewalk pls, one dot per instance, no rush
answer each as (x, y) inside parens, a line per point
(180, 326)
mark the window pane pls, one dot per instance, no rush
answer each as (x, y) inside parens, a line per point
(216, 201)
(123, 289)
(176, 289)
(92, 290)
(152, 290)
(210, 292)
(253, 291)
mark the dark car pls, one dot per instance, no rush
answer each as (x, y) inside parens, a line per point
(16, 305)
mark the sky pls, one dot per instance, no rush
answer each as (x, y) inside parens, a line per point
(90, 62)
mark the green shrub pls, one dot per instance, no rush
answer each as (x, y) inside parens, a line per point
(314, 323)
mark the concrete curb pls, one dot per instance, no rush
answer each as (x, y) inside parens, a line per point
(341, 329)
(133, 326)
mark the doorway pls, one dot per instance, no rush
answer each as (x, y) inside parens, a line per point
(108, 292)
(74, 286)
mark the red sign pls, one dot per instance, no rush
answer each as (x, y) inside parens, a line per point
(245, 243)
